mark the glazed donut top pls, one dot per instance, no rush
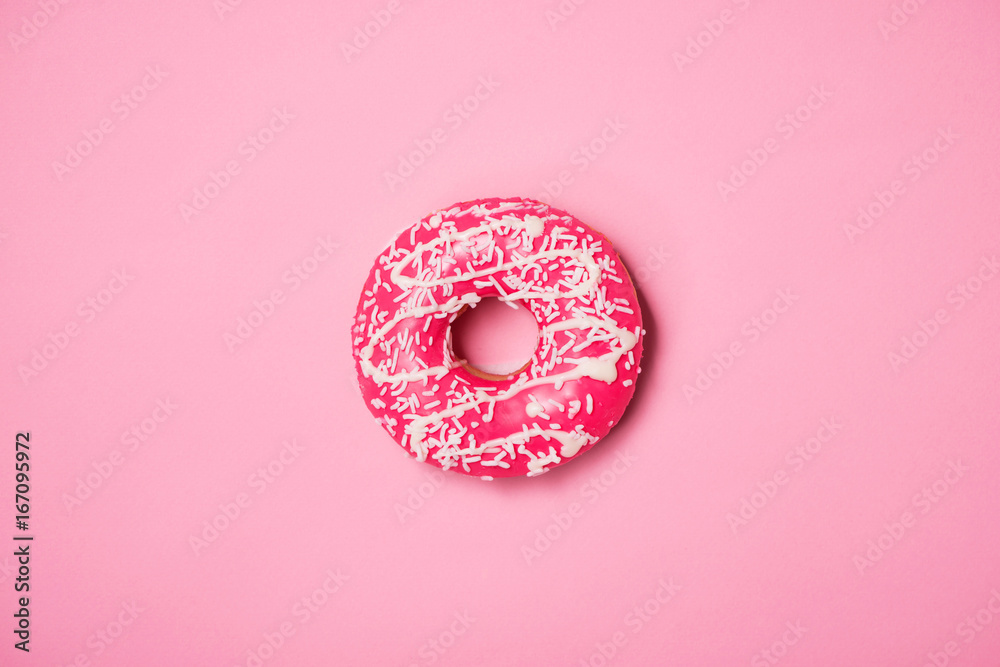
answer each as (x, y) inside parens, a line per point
(580, 378)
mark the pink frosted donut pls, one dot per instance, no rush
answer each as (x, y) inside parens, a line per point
(583, 371)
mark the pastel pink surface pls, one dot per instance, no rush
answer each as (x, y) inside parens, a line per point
(807, 196)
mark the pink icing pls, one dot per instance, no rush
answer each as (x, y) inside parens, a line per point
(580, 378)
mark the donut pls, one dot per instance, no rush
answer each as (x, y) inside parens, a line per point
(445, 412)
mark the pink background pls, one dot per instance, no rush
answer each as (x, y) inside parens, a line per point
(449, 570)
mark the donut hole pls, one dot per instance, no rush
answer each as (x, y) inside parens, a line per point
(494, 339)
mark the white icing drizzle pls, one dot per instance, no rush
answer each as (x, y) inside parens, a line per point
(562, 275)
(534, 408)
